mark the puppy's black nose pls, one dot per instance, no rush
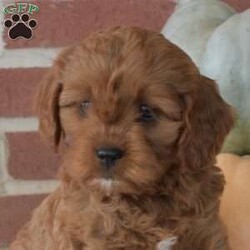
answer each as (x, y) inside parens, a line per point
(108, 156)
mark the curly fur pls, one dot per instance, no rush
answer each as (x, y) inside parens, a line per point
(165, 191)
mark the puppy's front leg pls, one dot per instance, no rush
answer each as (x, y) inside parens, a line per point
(203, 236)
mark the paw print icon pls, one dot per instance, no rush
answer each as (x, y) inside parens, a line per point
(20, 26)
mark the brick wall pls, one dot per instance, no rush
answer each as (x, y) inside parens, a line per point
(27, 167)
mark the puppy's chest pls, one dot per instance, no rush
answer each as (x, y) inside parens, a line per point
(128, 228)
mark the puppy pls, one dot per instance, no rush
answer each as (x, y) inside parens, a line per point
(142, 128)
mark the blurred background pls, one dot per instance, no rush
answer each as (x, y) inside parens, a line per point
(27, 167)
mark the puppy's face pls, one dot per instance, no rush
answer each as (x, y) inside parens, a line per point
(130, 106)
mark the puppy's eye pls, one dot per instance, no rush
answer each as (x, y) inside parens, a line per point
(146, 114)
(84, 106)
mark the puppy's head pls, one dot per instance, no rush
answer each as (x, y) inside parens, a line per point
(131, 107)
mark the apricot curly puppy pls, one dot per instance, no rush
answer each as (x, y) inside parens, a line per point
(142, 128)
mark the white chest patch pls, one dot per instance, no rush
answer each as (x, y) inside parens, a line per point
(166, 244)
(106, 184)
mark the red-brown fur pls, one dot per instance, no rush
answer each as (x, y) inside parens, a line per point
(166, 183)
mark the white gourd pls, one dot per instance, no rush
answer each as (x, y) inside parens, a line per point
(192, 23)
(218, 41)
(227, 60)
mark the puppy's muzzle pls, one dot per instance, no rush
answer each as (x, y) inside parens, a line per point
(109, 156)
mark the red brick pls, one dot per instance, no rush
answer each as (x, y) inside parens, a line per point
(62, 22)
(15, 212)
(18, 87)
(239, 5)
(29, 158)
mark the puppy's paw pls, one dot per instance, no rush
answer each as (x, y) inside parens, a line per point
(166, 244)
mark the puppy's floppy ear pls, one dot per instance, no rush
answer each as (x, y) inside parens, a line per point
(47, 108)
(47, 101)
(208, 119)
